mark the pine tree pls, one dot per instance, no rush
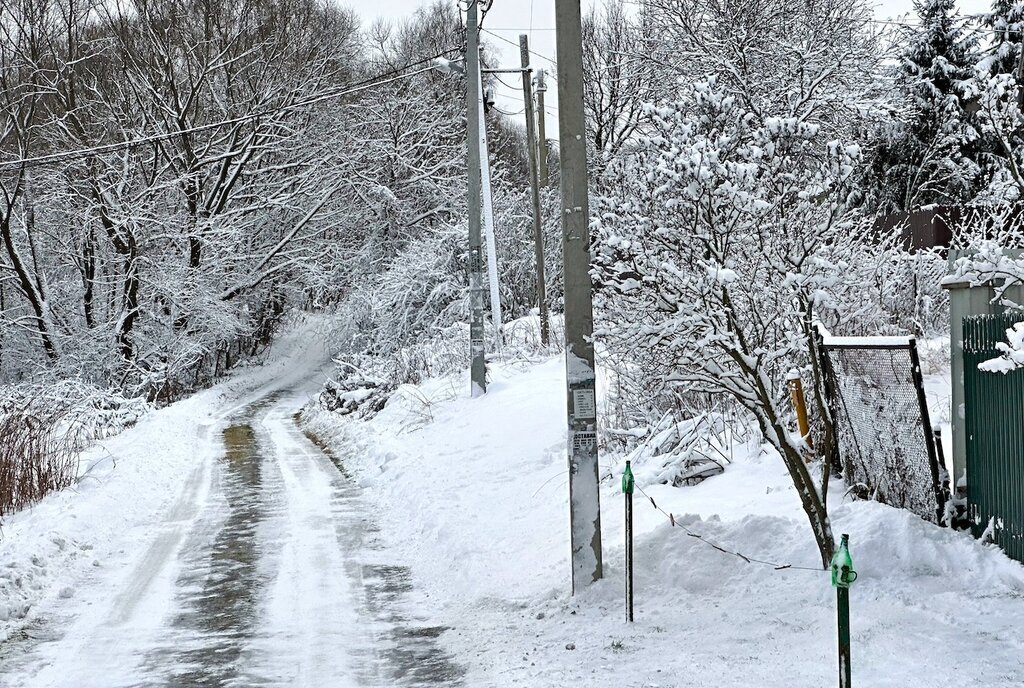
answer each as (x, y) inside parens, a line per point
(1006, 21)
(930, 154)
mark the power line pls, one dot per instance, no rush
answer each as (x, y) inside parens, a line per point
(532, 52)
(508, 114)
(377, 80)
(497, 77)
(885, 22)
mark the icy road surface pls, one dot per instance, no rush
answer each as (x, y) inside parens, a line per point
(266, 572)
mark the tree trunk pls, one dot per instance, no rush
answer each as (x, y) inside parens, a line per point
(28, 289)
(89, 277)
(130, 304)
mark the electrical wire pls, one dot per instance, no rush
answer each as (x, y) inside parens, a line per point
(377, 80)
(532, 52)
(508, 114)
(749, 560)
(497, 77)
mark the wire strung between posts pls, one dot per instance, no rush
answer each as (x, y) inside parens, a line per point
(749, 560)
(532, 52)
(378, 80)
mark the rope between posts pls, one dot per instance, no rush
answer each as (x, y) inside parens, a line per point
(750, 560)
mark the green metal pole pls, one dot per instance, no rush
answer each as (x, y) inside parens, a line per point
(627, 489)
(843, 599)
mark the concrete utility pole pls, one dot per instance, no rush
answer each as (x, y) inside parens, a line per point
(584, 493)
(542, 138)
(489, 236)
(531, 146)
(478, 367)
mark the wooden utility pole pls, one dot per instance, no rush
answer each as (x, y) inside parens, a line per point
(584, 488)
(478, 367)
(531, 147)
(542, 138)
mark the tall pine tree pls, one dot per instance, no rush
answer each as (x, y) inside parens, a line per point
(929, 155)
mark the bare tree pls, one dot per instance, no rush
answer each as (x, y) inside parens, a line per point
(618, 75)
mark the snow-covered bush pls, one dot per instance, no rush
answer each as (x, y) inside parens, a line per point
(728, 237)
(88, 413)
(991, 256)
(352, 391)
(422, 291)
(363, 382)
(688, 451)
(908, 286)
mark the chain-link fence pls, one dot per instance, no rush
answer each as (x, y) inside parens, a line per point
(888, 453)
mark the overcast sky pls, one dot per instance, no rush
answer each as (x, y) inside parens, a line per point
(536, 18)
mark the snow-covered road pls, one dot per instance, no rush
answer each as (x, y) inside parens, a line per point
(266, 570)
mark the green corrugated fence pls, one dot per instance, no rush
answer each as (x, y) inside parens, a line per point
(994, 415)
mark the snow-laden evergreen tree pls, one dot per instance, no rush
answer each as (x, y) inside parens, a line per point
(929, 152)
(998, 97)
(1006, 22)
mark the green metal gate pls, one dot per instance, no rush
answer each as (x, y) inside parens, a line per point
(994, 415)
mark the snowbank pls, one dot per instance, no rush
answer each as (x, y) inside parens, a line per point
(474, 493)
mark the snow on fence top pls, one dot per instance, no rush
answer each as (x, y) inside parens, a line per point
(866, 342)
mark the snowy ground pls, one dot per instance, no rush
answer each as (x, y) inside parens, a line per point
(213, 545)
(224, 548)
(473, 491)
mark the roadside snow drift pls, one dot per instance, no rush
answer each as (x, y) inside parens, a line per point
(474, 493)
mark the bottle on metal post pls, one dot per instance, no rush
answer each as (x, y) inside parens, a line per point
(842, 576)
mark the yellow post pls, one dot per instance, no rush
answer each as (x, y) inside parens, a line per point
(796, 394)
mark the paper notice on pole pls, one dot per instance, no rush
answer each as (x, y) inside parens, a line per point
(583, 442)
(584, 405)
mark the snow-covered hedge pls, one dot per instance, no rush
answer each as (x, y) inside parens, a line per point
(353, 391)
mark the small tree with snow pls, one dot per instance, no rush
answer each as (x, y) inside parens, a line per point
(729, 236)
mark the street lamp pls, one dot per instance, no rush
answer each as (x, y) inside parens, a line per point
(449, 66)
